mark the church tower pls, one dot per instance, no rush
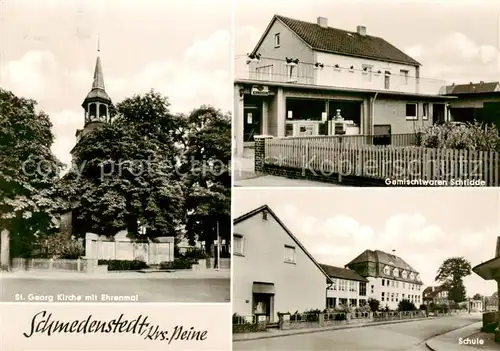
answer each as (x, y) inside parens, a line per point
(97, 103)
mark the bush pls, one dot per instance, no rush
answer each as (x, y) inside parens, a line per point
(374, 304)
(195, 254)
(179, 263)
(343, 309)
(473, 136)
(123, 265)
(423, 307)
(406, 305)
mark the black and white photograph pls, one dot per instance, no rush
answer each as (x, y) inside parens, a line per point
(366, 269)
(366, 93)
(115, 151)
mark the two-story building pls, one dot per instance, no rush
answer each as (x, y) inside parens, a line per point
(390, 278)
(272, 271)
(347, 288)
(437, 295)
(301, 78)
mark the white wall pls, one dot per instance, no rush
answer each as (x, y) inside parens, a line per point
(400, 290)
(343, 77)
(346, 294)
(298, 287)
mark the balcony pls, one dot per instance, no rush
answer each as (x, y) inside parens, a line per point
(280, 71)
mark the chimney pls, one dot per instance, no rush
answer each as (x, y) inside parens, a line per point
(323, 22)
(497, 253)
(361, 30)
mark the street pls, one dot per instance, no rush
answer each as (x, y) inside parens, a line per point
(154, 289)
(394, 337)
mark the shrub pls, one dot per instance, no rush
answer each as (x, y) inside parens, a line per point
(423, 307)
(195, 254)
(473, 136)
(340, 317)
(179, 263)
(406, 305)
(374, 304)
(343, 308)
(124, 265)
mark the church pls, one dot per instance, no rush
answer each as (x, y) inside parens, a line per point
(97, 111)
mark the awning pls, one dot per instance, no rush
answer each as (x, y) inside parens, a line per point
(489, 270)
(263, 288)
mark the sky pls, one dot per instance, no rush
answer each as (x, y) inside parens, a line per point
(180, 48)
(454, 40)
(423, 226)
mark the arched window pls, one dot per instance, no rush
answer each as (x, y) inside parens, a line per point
(395, 272)
(103, 112)
(92, 112)
(412, 276)
(404, 275)
(387, 270)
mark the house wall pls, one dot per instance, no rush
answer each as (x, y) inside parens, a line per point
(290, 45)
(471, 102)
(393, 112)
(402, 288)
(356, 78)
(298, 287)
(346, 294)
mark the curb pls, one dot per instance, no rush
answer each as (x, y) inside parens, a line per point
(352, 326)
(452, 347)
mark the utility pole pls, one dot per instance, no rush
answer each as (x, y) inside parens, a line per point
(218, 247)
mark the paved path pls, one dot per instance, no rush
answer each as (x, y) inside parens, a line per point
(455, 340)
(151, 287)
(389, 337)
(273, 181)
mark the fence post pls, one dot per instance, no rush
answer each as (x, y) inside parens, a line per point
(260, 152)
(78, 264)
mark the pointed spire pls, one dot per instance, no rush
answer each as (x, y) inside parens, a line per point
(98, 76)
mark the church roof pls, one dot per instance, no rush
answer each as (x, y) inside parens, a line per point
(98, 90)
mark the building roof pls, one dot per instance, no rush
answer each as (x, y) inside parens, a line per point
(342, 42)
(269, 211)
(473, 88)
(98, 90)
(378, 256)
(342, 273)
(432, 291)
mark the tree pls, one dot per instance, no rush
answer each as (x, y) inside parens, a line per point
(206, 160)
(477, 297)
(128, 177)
(28, 171)
(451, 274)
(374, 304)
(406, 305)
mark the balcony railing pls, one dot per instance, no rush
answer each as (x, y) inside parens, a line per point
(273, 70)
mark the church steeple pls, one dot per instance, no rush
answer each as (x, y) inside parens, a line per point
(97, 102)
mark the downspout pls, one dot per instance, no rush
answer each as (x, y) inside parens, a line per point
(372, 114)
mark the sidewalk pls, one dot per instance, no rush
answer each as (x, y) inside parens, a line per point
(61, 275)
(451, 341)
(275, 333)
(273, 181)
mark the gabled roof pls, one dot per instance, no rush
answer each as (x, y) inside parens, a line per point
(342, 42)
(269, 211)
(473, 88)
(378, 256)
(432, 291)
(342, 273)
